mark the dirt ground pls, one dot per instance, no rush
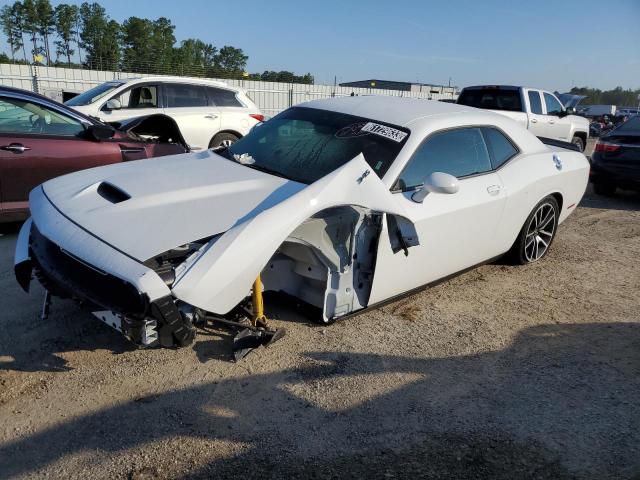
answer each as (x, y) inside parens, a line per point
(503, 372)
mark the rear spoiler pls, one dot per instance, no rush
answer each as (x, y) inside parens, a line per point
(559, 143)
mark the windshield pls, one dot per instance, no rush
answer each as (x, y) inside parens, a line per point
(92, 95)
(305, 144)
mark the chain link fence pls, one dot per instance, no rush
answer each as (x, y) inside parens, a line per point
(61, 83)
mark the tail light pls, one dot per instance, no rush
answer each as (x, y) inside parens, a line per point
(258, 116)
(605, 147)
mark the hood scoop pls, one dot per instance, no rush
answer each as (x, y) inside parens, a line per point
(111, 193)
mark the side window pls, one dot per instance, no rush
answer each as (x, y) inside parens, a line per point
(534, 102)
(223, 98)
(183, 95)
(143, 96)
(24, 117)
(553, 105)
(460, 152)
(499, 146)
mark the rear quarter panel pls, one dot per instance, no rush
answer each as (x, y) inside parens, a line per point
(529, 178)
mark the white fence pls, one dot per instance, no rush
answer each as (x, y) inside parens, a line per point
(271, 97)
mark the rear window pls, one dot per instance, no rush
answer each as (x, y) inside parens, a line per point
(631, 125)
(500, 148)
(223, 98)
(492, 99)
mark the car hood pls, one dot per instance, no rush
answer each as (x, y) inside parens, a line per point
(146, 207)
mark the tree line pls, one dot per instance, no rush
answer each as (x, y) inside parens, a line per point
(38, 33)
(617, 96)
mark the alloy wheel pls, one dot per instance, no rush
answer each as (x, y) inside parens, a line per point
(540, 232)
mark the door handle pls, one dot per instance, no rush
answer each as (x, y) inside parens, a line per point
(534, 120)
(552, 122)
(493, 189)
(15, 148)
(211, 116)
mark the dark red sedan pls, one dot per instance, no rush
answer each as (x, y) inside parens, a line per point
(41, 139)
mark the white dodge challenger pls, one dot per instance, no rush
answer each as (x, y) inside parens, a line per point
(342, 203)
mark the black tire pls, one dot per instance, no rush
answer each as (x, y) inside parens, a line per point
(578, 142)
(223, 139)
(602, 188)
(523, 252)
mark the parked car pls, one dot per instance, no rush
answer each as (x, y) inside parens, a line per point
(536, 110)
(343, 203)
(615, 162)
(41, 139)
(208, 113)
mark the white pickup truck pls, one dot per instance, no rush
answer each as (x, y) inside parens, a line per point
(537, 110)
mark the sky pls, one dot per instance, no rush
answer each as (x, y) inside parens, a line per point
(542, 43)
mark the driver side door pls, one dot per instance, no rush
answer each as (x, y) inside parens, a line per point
(456, 231)
(37, 143)
(558, 126)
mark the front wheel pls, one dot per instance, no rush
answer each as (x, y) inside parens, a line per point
(537, 233)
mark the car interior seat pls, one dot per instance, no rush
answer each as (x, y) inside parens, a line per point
(146, 98)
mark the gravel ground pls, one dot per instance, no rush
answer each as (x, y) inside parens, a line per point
(503, 372)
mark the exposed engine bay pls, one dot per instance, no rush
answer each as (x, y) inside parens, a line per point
(328, 261)
(158, 127)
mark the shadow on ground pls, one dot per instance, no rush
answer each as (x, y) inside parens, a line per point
(542, 408)
(621, 200)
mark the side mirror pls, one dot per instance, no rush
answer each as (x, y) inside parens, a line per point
(437, 182)
(100, 131)
(113, 104)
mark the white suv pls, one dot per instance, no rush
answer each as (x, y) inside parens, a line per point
(208, 113)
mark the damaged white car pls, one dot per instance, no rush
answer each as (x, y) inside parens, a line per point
(342, 203)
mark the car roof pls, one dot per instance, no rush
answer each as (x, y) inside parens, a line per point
(163, 78)
(26, 92)
(395, 110)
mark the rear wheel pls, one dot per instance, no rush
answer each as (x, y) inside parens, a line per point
(602, 188)
(537, 233)
(578, 142)
(223, 140)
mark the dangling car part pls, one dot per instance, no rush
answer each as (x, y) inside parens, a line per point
(342, 204)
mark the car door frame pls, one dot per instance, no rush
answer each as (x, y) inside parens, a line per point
(104, 114)
(537, 121)
(389, 262)
(564, 124)
(211, 110)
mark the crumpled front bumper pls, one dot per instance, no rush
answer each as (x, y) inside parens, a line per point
(70, 261)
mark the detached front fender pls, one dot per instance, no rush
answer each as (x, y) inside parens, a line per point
(223, 276)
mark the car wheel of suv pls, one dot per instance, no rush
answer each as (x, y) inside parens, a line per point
(601, 188)
(223, 140)
(577, 141)
(537, 233)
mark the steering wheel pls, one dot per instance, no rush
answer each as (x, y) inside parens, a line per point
(37, 123)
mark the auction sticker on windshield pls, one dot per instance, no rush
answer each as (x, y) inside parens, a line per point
(384, 131)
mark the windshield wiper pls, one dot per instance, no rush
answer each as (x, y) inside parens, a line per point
(265, 170)
(225, 153)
